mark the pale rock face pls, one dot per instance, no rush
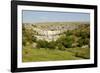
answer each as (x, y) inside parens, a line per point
(49, 35)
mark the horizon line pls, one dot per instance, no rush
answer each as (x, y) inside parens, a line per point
(56, 21)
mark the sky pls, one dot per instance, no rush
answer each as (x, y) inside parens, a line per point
(31, 16)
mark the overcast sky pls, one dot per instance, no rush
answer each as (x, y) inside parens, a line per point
(48, 16)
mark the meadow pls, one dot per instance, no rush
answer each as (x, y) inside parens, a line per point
(45, 54)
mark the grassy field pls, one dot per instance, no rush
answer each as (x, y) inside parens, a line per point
(43, 54)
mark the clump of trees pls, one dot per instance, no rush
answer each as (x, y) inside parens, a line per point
(66, 41)
(49, 45)
(80, 36)
(28, 35)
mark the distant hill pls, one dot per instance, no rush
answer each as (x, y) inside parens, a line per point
(52, 30)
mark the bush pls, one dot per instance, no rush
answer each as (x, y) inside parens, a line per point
(66, 41)
(68, 32)
(33, 38)
(60, 47)
(82, 42)
(46, 44)
(51, 45)
(42, 44)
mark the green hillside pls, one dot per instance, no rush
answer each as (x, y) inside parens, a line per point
(73, 42)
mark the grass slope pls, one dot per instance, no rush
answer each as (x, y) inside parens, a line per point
(33, 55)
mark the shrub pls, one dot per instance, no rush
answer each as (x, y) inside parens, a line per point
(42, 44)
(82, 42)
(60, 47)
(68, 32)
(66, 41)
(51, 45)
(33, 38)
